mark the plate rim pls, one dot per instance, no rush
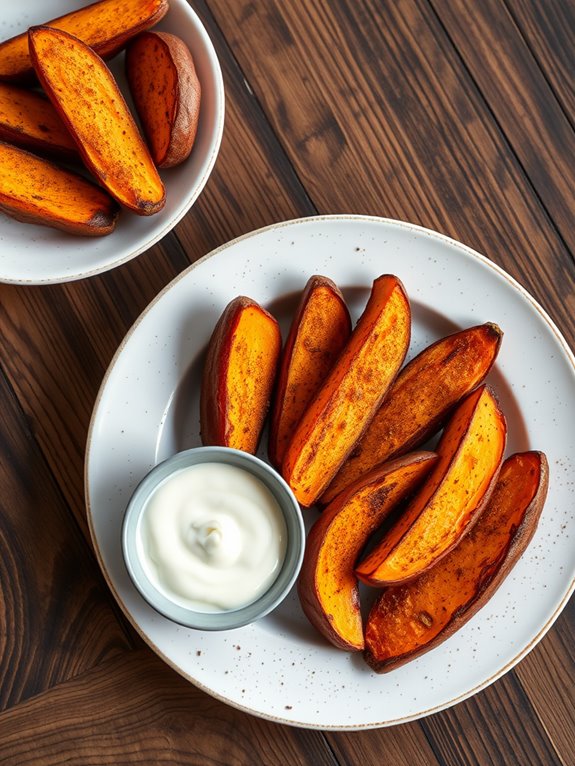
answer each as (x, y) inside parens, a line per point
(357, 218)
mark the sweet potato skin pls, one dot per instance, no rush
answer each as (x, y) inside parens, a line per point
(421, 398)
(320, 328)
(34, 190)
(105, 26)
(239, 375)
(327, 586)
(28, 120)
(470, 455)
(86, 96)
(409, 620)
(167, 94)
(352, 393)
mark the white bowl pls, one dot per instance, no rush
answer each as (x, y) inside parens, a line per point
(31, 254)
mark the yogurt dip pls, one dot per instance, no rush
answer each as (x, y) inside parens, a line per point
(212, 537)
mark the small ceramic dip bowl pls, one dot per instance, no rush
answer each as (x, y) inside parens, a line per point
(213, 538)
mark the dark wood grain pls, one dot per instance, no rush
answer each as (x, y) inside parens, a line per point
(457, 116)
(521, 99)
(134, 710)
(403, 745)
(56, 617)
(57, 343)
(549, 30)
(254, 184)
(549, 669)
(495, 726)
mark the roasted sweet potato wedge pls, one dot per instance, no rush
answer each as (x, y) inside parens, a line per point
(239, 374)
(166, 92)
(34, 190)
(327, 586)
(420, 400)
(409, 620)
(29, 120)
(470, 455)
(352, 393)
(320, 329)
(105, 26)
(86, 96)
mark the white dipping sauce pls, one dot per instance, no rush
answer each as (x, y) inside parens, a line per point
(212, 537)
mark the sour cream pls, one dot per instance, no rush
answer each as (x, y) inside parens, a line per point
(212, 537)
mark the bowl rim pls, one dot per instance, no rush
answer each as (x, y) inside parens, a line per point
(287, 573)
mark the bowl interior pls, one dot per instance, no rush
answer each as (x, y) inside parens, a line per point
(32, 254)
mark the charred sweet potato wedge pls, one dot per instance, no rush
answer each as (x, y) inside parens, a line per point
(327, 586)
(86, 96)
(420, 400)
(29, 120)
(320, 329)
(470, 454)
(34, 190)
(239, 374)
(105, 26)
(408, 620)
(166, 92)
(340, 412)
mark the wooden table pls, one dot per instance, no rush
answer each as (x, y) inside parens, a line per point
(455, 115)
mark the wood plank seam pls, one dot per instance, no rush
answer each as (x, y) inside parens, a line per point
(499, 127)
(204, 4)
(552, 88)
(126, 629)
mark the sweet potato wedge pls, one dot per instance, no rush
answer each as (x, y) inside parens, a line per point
(29, 120)
(86, 96)
(327, 586)
(34, 190)
(105, 26)
(166, 92)
(319, 330)
(239, 374)
(470, 455)
(420, 400)
(352, 393)
(408, 620)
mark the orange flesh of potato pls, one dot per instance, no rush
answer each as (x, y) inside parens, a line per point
(409, 620)
(327, 586)
(420, 399)
(319, 331)
(85, 94)
(345, 404)
(29, 120)
(470, 454)
(34, 190)
(105, 26)
(166, 93)
(238, 377)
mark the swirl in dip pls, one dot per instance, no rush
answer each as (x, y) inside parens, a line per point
(212, 537)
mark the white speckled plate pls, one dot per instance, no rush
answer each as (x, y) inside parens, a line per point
(147, 409)
(31, 254)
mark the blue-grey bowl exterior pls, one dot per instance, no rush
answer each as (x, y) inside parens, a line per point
(225, 620)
